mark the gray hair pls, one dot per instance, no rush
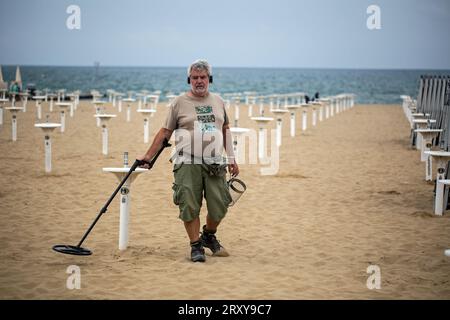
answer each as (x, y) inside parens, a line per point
(200, 64)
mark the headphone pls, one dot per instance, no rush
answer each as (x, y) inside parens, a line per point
(210, 79)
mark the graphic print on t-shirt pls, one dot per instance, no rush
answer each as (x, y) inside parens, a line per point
(206, 118)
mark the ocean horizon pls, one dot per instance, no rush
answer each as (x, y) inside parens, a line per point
(371, 86)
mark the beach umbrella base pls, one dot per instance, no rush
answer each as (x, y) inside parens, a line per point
(74, 250)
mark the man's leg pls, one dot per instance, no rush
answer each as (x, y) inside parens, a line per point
(217, 200)
(211, 225)
(193, 229)
(188, 196)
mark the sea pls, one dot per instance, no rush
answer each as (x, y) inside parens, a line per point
(371, 86)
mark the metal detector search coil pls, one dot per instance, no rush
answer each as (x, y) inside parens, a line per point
(237, 188)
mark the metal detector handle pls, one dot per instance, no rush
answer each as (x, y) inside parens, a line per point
(152, 162)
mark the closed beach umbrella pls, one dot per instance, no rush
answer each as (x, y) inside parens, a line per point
(19, 77)
(3, 84)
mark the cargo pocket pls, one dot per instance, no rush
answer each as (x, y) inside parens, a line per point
(177, 189)
(226, 194)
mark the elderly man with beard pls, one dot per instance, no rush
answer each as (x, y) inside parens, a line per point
(201, 125)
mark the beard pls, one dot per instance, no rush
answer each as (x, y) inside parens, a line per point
(200, 89)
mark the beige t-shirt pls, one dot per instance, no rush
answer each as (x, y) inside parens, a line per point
(197, 125)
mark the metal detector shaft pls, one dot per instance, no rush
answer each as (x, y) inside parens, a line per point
(105, 207)
(133, 167)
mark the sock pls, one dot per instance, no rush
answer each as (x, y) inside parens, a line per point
(208, 231)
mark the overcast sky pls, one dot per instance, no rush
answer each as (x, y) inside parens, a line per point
(231, 33)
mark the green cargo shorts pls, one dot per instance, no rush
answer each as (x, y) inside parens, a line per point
(192, 183)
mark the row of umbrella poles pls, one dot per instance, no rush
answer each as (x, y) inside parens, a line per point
(319, 110)
(429, 117)
(324, 108)
(102, 118)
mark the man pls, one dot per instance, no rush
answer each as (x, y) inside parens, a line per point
(15, 89)
(201, 127)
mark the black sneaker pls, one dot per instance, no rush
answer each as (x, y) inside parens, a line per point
(197, 252)
(209, 241)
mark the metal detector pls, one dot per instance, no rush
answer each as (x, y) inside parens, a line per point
(80, 251)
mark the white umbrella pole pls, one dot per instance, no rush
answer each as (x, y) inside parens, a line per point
(428, 168)
(279, 131)
(63, 121)
(24, 104)
(128, 113)
(39, 109)
(97, 111)
(262, 143)
(304, 120)
(1, 115)
(235, 148)
(292, 124)
(124, 215)
(146, 130)
(14, 127)
(104, 140)
(48, 154)
(439, 201)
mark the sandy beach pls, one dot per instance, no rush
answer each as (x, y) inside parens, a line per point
(350, 193)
